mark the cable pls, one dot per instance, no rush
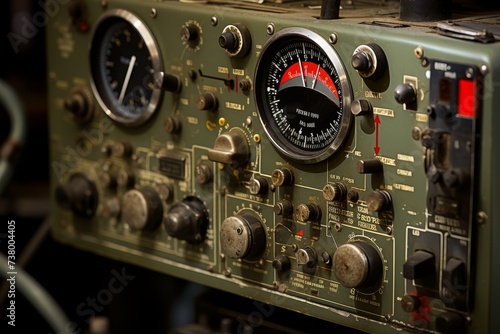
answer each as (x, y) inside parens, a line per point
(38, 296)
(27, 253)
(17, 137)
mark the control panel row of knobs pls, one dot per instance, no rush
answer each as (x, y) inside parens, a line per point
(356, 264)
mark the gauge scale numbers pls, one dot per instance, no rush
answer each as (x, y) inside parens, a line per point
(304, 96)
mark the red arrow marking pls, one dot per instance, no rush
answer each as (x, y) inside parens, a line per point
(377, 123)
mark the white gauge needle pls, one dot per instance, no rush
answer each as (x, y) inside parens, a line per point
(315, 78)
(301, 71)
(127, 78)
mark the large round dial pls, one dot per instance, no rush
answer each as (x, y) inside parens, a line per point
(124, 64)
(304, 95)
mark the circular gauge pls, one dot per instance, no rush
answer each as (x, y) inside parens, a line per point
(304, 98)
(124, 66)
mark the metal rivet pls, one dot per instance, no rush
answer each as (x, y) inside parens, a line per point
(270, 29)
(418, 52)
(333, 38)
(214, 21)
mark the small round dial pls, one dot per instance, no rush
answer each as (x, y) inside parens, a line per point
(303, 102)
(125, 68)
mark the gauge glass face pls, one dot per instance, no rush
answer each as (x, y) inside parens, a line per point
(304, 95)
(124, 61)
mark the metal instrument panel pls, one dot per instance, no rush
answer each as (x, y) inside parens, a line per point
(342, 168)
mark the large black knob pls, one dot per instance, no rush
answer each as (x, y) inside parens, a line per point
(79, 195)
(142, 209)
(357, 264)
(187, 220)
(369, 60)
(236, 40)
(169, 82)
(79, 104)
(207, 102)
(190, 33)
(451, 323)
(379, 200)
(405, 94)
(419, 265)
(243, 237)
(281, 263)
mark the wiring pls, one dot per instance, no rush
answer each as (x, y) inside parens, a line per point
(38, 296)
(17, 137)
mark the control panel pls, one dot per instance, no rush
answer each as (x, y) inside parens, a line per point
(337, 163)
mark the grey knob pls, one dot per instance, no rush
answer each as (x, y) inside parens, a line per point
(142, 209)
(357, 264)
(231, 148)
(242, 237)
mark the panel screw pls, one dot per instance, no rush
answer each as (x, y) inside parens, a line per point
(418, 52)
(270, 29)
(153, 12)
(333, 38)
(214, 21)
(484, 69)
(481, 217)
(416, 133)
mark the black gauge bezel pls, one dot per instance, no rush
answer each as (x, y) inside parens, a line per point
(104, 96)
(276, 137)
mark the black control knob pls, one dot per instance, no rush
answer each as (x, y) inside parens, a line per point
(207, 102)
(125, 178)
(172, 125)
(108, 180)
(281, 263)
(451, 323)
(454, 279)
(243, 237)
(142, 209)
(203, 173)
(369, 60)
(229, 41)
(258, 185)
(308, 212)
(379, 200)
(187, 220)
(369, 166)
(122, 149)
(419, 265)
(79, 104)
(79, 195)
(283, 208)
(236, 40)
(405, 94)
(357, 264)
(410, 303)
(361, 62)
(231, 148)
(281, 177)
(190, 33)
(168, 82)
(361, 108)
(335, 192)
